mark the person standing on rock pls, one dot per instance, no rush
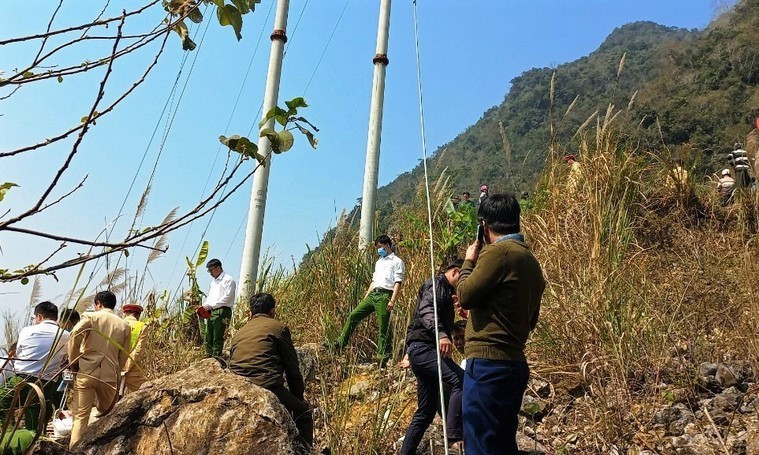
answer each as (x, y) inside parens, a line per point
(501, 286)
(133, 374)
(421, 346)
(98, 349)
(219, 302)
(263, 351)
(380, 298)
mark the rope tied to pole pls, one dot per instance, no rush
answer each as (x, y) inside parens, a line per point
(429, 219)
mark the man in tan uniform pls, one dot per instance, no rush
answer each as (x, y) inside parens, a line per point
(98, 348)
(133, 373)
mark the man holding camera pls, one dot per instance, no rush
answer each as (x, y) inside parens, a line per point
(502, 286)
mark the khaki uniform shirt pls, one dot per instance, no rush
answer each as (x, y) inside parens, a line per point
(99, 343)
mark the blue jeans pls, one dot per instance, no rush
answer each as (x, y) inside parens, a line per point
(423, 359)
(492, 398)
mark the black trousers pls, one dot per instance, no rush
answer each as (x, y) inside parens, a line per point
(423, 359)
(300, 412)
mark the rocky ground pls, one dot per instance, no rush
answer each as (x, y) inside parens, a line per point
(198, 410)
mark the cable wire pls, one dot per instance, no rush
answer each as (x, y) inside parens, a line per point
(429, 217)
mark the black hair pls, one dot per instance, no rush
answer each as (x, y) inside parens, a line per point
(47, 310)
(262, 303)
(501, 213)
(213, 263)
(466, 192)
(106, 298)
(384, 240)
(680, 162)
(69, 316)
(459, 325)
(452, 264)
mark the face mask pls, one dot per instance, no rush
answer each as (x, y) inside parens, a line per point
(382, 252)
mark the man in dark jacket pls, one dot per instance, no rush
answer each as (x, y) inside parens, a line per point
(422, 353)
(263, 350)
(501, 286)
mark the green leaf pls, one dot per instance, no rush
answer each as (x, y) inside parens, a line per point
(242, 5)
(60, 79)
(219, 3)
(229, 15)
(203, 254)
(5, 187)
(24, 280)
(286, 140)
(309, 135)
(294, 104)
(184, 33)
(126, 253)
(273, 137)
(27, 75)
(195, 16)
(276, 113)
(241, 145)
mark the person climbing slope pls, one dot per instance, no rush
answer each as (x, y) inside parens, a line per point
(380, 298)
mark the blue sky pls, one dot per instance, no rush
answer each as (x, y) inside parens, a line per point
(470, 52)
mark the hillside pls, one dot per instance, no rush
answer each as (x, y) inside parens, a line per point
(701, 86)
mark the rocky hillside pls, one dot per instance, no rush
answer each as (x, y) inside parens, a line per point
(699, 87)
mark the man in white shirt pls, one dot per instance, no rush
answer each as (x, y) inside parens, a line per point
(40, 357)
(219, 302)
(726, 186)
(380, 298)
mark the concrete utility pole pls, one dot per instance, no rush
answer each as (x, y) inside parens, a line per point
(252, 249)
(369, 199)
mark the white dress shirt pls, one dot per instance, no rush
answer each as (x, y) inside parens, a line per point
(222, 291)
(388, 271)
(34, 346)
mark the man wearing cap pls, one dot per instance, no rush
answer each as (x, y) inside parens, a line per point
(726, 186)
(98, 349)
(219, 303)
(380, 298)
(133, 370)
(484, 192)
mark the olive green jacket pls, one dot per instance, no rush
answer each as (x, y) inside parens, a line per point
(503, 292)
(263, 350)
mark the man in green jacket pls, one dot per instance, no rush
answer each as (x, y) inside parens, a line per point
(263, 351)
(502, 286)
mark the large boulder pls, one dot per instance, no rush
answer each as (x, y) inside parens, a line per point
(202, 409)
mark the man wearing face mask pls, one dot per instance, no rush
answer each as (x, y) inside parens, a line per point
(380, 298)
(502, 286)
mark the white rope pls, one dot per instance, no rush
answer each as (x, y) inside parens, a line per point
(429, 218)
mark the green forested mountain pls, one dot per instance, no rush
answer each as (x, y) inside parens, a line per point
(698, 86)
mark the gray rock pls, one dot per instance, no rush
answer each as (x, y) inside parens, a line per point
(359, 389)
(725, 376)
(198, 410)
(709, 383)
(533, 408)
(674, 419)
(707, 369)
(728, 401)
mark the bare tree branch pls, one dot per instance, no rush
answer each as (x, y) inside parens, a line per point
(79, 139)
(100, 114)
(78, 27)
(63, 238)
